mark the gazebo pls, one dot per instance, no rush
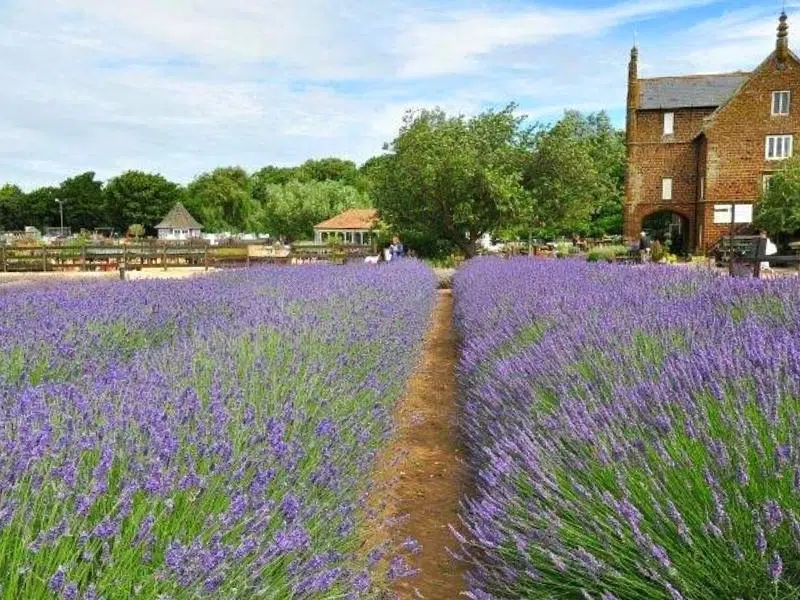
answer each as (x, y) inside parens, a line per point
(353, 226)
(179, 224)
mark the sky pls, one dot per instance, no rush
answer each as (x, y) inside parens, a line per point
(179, 87)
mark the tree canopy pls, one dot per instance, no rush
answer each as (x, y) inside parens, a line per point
(139, 198)
(451, 179)
(778, 212)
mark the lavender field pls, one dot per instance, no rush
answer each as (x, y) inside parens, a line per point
(632, 432)
(208, 438)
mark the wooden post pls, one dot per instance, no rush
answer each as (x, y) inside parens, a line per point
(247, 263)
(164, 256)
(3, 257)
(44, 258)
(205, 256)
(125, 256)
(83, 258)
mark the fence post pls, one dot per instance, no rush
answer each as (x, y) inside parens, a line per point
(44, 258)
(3, 257)
(164, 256)
(247, 264)
(205, 256)
(83, 258)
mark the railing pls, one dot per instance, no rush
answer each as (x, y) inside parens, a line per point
(163, 254)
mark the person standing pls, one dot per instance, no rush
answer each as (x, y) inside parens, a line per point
(398, 250)
(644, 246)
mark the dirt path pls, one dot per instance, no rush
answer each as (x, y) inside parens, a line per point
(430, 470)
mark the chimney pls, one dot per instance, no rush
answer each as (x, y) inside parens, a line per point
(782, 44)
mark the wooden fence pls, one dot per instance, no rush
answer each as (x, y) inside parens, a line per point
(164, 255)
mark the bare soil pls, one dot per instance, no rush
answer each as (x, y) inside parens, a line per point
(426, 475)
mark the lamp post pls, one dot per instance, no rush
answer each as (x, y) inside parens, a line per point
(61, 211)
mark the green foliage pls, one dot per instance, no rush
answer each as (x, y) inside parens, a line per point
(607, 253)
(83, 202)
(778, 212)
(294, 208)
(328, 169)
(12, 217)
(142, 198)
(221, 201)
(40, 208)
(451, 179)
(575, 177)
(136, 230)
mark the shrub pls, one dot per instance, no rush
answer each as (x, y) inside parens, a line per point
(631, 433)
(207, 438)
(606, 253)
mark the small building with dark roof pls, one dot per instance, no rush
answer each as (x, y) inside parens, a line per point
(701, 148)
(179, 224)
(353, 226)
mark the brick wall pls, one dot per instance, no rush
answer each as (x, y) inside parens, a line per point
(652, 157)
(736, 140)
(729, 158)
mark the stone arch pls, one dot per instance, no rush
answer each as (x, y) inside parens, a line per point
(670, 226)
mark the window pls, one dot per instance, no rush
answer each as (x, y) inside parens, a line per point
(669, 123)
(780, 103)
(778, 147)
(702, 188)
(743, 213)
(666, 188)
(765, 178)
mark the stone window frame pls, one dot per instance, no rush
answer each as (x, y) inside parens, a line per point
(765, 179)
(671, 121)
(666, 188)
(784, 155)
(776, 103)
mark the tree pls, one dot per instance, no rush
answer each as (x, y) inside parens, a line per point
(137, 197)
(452, 179)
(328, 169)
(778, 212)
(294, 208)
(221, 201)
(574, 176)
(12, 213)
(136, 230)
(271, 175)
(40, 207)
(84, 205)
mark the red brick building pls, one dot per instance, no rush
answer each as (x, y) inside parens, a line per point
(700, 145)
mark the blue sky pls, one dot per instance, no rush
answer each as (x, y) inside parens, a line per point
(182, 86)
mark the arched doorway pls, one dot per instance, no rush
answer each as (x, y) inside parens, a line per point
(670, 228)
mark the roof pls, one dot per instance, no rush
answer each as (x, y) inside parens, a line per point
(353, 218)
(692, 91)
(179, 218)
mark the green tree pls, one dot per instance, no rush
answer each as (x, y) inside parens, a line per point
(137, 197)
(136, 230)
(84, 205)
(294, 208)
(12, 213)
(329, 169)
(778, 211)
(40, 207)
(574, 176)
(221, 201)
(451, 179)
(271, 175)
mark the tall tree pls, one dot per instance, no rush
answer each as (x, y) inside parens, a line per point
(452, 179)
(12, 213)
(294, 208)
(221, 201)
(84, 206)
(328, 169)
(778, 212)
(41, 209)
(137, 197)
(271, 175)
(574, 176)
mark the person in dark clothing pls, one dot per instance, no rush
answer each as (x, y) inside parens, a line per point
(644, 242)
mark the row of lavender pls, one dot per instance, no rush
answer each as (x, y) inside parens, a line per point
(209, 438)
(632, 432)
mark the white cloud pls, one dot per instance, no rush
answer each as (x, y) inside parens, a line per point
(182, 86)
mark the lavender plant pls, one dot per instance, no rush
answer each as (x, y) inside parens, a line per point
(632, 432)
(209, 438)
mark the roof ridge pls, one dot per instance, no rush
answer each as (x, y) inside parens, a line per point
(697, 76)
